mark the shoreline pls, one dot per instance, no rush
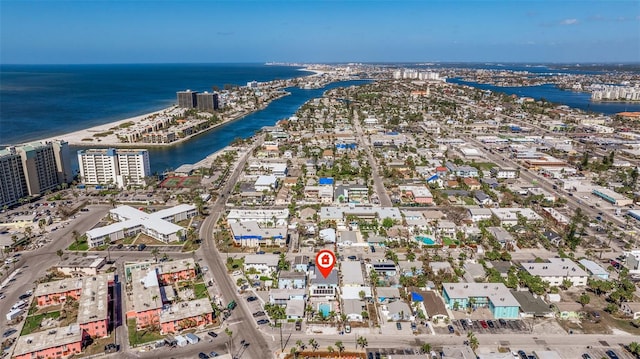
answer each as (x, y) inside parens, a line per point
(76, 138)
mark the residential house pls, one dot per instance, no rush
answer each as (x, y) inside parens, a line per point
(479, 214)
(353, 309)
(631, 309)
(292, 280)
(556, 270)
(319, 286)
(387, 294)
(397, 311)
(265, 264)
(594, 269)
(504, 172)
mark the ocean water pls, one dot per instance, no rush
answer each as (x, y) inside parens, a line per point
(39, 101)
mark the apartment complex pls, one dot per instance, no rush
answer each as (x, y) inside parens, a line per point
(159, 225)
(153, 301)
(33, 169)
(93, 297)
(121, 167)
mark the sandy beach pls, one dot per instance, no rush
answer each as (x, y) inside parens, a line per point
(75, 138)
(79, 138)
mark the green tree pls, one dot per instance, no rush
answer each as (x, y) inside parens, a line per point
(340, 346)
(314, 344)
(584, 299)
(387, 222)
(473, 341)
(426, 348)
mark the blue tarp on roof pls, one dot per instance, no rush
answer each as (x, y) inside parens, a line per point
(415, 297)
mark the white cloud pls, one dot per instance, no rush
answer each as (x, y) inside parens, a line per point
(569, 22)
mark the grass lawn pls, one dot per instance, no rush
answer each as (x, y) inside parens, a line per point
(190, 245)
(237, 264)
(81, 245)
(32, 324)
(136, 338)
(449, 242)
(145, 239)
(200, 290)
(485, 165)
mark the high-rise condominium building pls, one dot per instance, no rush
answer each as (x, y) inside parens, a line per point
(111, 166)
(12, 183)
(32, 170)
(207, 101)
(187, 99)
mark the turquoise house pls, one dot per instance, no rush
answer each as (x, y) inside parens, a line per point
(495, 296)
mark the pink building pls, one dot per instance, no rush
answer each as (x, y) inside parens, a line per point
(55, 343)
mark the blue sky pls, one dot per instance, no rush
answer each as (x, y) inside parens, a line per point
(318, 31)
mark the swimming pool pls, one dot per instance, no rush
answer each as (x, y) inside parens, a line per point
(324, 308)
(425, 240)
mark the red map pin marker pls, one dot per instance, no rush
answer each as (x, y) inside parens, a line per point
(325, 260)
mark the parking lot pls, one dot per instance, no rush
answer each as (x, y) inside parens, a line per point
(463, 326)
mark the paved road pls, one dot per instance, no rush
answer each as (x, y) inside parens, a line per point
(245, 327)
(365, 146)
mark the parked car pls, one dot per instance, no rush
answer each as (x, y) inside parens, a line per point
(299, 326)
(398, 326)
(252, 298)
(262, 321)
(485, 326)
(490, 323)
(522, 354)
(212, 334)
(258, 314)
(202, 355)
(347, 329)
(213, 355)
(611, 354)
(502, 322)
(586, 356)
(451, 329)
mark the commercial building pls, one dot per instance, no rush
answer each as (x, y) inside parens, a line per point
(612, 197)
(557, 270)
(159, 225)
(594, 269)
(121, 167)
(187, 99)
(495, 296)
(32, 170)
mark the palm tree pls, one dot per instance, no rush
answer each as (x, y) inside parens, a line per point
(154, 253)
(60, 253)
(634, 347)
(294, 352)
(362, 342)
(426, 348)
(300, 344)
(314, 344)
(340, 347)
(330, 349)
(473, 341)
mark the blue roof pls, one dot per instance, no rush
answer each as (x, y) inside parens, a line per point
(415, 297)
(325, 180)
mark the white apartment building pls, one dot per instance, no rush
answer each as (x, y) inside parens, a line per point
(556, 270)
(112, 166)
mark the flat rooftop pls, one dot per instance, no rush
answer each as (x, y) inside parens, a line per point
(94, 300)
(59, 286)
(555, 267)
(145, 294)
(53, 338)
(497, 293)
(82, 262)
(183, 310)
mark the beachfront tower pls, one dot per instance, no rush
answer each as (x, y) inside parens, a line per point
(208, 101)
(187, 99)
(12, 182)
(39, 166)
(110, 166)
